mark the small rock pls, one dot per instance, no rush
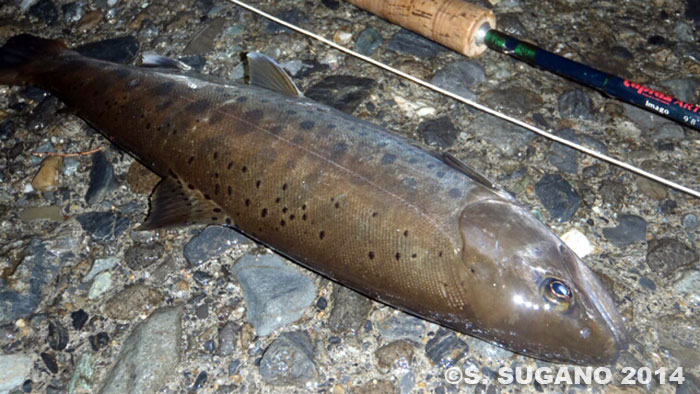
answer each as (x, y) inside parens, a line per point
(140, 179)
(100, 285)
(685, 89)
(666, 256)
(667, 207)
(321, 303)
(46, 179)
(668, 131)
(70, 166)
(227, 339)
(514, 101)
(331, 4)
(445, 349)
(349, 310)
(91, 20)
(130, 302)
(58, 335)
(83, 375)
(612, 193)
(563, 157)
(439, 132)
(578, 242)
(368, 41)
(49, 360)
(276, 292)
(7, 129)
(99, 341)
(684, 33)
(342, 36)
(212, 242)
(650, 188)
(630, 229)
(102, 179)
(79, 318)
(509, 23)
(459, 77)
(51, 213)
(43, 115)
(99, 266)
(72, 12)
(142, 255)
(45, 10)
(411, 43)
(690, 221)
(288, 360)
(14, 369)
(575, 104)
(149, 356)
(648, 283)
(687, 286)
(558, 197)
(375, 387)
(496, 132)
(343, 92)
(103, 226)
(397, 354)
(402, 326)
(292, 16)
(117, 50)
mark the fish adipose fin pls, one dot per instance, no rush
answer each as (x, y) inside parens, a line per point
(150, 59)
(21, 50)
(266, 73)
(173, 204)
(475, 175)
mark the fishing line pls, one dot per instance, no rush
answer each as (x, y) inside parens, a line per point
(472, 103)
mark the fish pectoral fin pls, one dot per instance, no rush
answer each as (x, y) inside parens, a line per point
(475, 175)
(266, 73)
(150, 59)
(173, 204)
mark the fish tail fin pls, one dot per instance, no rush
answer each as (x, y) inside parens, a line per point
(19, 51)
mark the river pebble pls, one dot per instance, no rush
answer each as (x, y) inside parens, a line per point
(130, 302)
(504, 136)
(666, 256)
(460, 77)
(46, 179)
(14, 369)
(142, 255)
(289, 360)
(445, 349)
(514, 100)
(212, 242)
(629, 229)
(103, 226)
(563, 157)
(227, 339)
(402, 326)
(276, 292)
(7, 129)
(73, 12)
(100, 285)
(686, 89)
(368, 41)
(57, 336)
(149, 355)
(343, 92)
(575, 104)
(78, 319)
(349, 310)
(397, 354)
(292, 16)
(83, 375)
(439, 132)
(102, 179)
(411, 43)
(558, 197)
(690, 221)
(45, 10)
(99, 266)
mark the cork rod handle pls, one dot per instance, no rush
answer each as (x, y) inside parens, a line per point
(452, 23)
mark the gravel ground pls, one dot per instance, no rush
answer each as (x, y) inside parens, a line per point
(89, 304)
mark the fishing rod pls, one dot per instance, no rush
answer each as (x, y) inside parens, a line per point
(470, 29)
(472, 103)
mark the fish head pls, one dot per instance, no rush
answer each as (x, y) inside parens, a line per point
(536, 296)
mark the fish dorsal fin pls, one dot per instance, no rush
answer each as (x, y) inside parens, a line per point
(266, 73)
(475, 175)
(173, 204)
(152, 59)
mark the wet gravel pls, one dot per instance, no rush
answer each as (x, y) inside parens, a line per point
(88, 304)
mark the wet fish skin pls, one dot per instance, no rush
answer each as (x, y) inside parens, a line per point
(342, 197)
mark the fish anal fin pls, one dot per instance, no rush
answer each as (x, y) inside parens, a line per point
(266, 73)
(475, 175)
(175, 204)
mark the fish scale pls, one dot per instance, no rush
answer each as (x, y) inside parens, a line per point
(340, 196)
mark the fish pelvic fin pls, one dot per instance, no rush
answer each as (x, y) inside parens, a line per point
(266, 73)
(19, 52)
(175, 204)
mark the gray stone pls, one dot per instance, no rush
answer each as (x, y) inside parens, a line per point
(459, 77)
(227, 339)
(684, 33)
(558, 197)
(58, 335)
(70, 166)
(685, 89)
(438, 132)
(643, 119)
(690, 221)
(666, 256)
(563, 157)
(648, 283)
(496, 132)
(103, 226)
(128, 303)
(292, 16)
(212, 242)
(368, 41)
(630, 229)
(73, 12)
(83, 375)
(45, 10)
(612, 193)
(397, 354)
(277, 293)
(402, 326)
(102, 179)
(668, 131)
(687, 50)
(411, 43)
(142, 255)
(688, 286)
(575, 104)
(514, 101)
(149, 355)
(288, 360)
(445, 349)
(101, 284)
(349, 310)
(99, 266)
(14, 369)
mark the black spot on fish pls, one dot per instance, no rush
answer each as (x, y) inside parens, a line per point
(388, 159)
(214, 218)
(284, 209)
(405, 233)
(282, 223)
(291, 217)
(216, 189)
(241, 99)
(255, 115)
(190, 186)
(228, 220)
(321, 234)
(197, 107)
(371, 255)
(217, 210)
(230, 190)
(163, 88)
(208, 197)
(190, 160)
(413, 256)
(216, 155)
(306, 125)
(257, 183)
(148, 126)
(284, 186)
(303, 217)
(375, 214)
(382, 144)
(244, 169)
(263, 213)
(337, 205)
(339, 150)
(247, 202)
(454, 193)
(397, 256)
(230, 165)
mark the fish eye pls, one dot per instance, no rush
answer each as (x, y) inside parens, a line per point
(557, 293)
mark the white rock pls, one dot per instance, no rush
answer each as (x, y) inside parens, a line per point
(100, 265)
(14, 369)
(577, 242)
(101, 284)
